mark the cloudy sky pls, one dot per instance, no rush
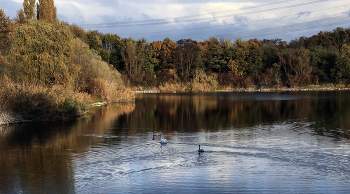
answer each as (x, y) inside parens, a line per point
(201, 19)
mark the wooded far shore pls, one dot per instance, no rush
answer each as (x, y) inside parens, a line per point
(53, 70)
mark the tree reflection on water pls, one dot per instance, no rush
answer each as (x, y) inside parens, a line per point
(37, 158)
(329, 111)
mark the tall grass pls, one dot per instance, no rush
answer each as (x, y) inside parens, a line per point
(36, 102)
(171, 87)
(201, 82)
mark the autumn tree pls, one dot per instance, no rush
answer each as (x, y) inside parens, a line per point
(29, 8)
(296, 65)
(239, 64)
(78, 32)
(42, 51)
(269, 54)
(6, 26)
(112, 44)
(168, 54)
(133, 58)
(5, 67)
(93, 39)
(212, 54)
(255, 57)
(20, 18)
(157, 49)
(164, 53)
(342, 68)
(46, 10)
(188, 56)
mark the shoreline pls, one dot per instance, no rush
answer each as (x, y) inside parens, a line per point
(7, 118)
(296, 89)
(284, 89)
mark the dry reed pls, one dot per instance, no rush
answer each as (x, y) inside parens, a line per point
(36, 102)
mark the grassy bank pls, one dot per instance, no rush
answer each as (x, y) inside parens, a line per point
(32, 102)
(35, 102)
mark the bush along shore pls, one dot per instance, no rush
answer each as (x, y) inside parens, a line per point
(47, 74)
(29, 102)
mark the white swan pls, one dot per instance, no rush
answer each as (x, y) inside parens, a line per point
(199, 149)
(163, 141)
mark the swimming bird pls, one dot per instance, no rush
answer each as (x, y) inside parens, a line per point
(199, 149)
(155, 135)
(163, 141)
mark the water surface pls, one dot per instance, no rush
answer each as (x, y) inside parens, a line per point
(291, 142)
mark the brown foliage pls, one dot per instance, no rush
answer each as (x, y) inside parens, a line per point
(29, 8)
(78, 32)
(164, 52)
(188, 54)
(271, 78)
(173, 87)
(41, 51)
(46, 10)
(132, 54)
(6, 27)
(224, 79)
(150, 80)
(203, 82)
(20, 18)
(169, 75)
(40, 103)
(96, 77)
(296, 65)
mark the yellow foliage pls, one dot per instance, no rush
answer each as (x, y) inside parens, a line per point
(42, 50)
(203, 82)
(32, 100)
(173, 87)
(234, 68)
(96, 76)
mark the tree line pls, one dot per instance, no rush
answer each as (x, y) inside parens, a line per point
(321, 58)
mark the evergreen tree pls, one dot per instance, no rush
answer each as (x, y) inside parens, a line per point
(29, 8)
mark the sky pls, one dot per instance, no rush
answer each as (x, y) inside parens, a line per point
(201, 19)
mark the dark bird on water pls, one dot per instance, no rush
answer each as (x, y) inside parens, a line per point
(199, 149)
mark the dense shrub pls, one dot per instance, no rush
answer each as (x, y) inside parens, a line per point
(203, 83)
(271, 78)
(96, 76)
(42, 51)
(36, 102)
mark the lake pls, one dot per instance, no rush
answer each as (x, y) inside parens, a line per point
(288, 142)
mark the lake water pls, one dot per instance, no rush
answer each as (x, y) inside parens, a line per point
(291, 142)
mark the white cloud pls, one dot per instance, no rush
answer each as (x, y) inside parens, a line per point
(241, 16)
